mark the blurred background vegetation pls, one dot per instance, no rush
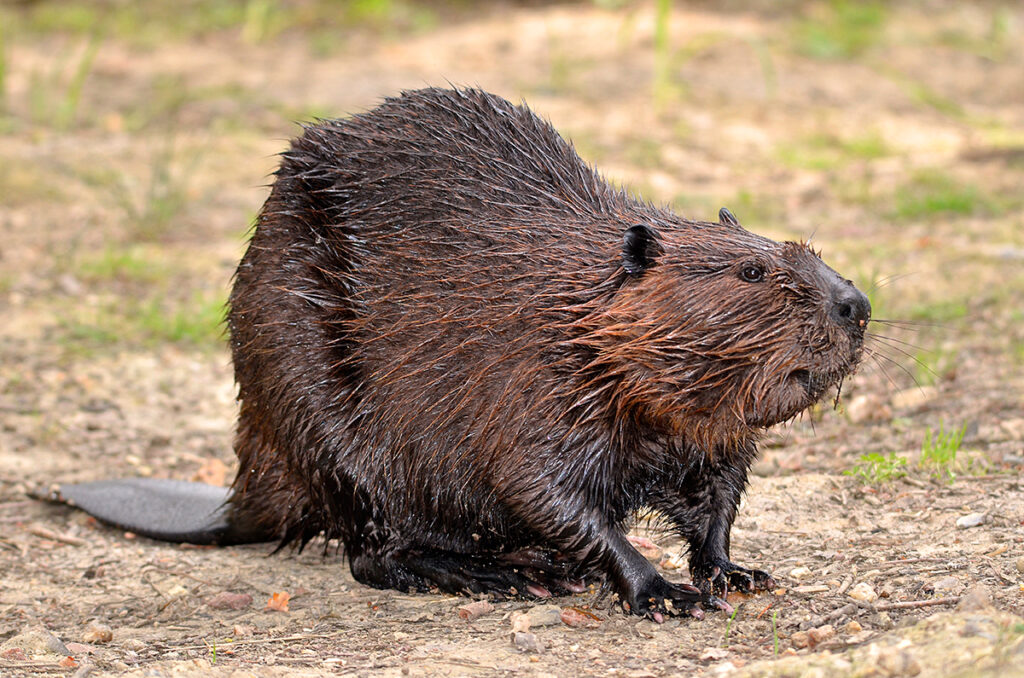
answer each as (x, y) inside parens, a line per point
(136, 140)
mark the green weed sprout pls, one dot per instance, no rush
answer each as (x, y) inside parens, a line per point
(875, 468)
(938, 452)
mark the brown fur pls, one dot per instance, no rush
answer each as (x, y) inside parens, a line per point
(455, 343)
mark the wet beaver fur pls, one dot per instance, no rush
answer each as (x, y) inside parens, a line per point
(466, 357)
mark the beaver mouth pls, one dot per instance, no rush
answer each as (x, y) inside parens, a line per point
(813, 384)
(802, 377)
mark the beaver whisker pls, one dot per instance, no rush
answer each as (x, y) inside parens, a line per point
(886, 281)
(910, 325)
(891, 342)
(878, 356)
(876, 361)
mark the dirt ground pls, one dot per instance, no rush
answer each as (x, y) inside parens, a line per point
(135, 151)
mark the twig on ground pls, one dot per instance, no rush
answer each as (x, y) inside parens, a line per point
(50, 534)
(264, 641)
(914, 604)
(850, 609)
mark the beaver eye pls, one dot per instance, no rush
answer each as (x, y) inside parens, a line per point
(752, 274)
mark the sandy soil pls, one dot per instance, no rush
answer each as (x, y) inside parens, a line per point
(123, 210)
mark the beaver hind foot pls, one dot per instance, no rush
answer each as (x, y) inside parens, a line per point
(499, 574)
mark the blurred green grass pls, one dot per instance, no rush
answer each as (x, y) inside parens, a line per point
(156, 21)
(130, 322)
(933, 193)
(839, 29)
(866, 174)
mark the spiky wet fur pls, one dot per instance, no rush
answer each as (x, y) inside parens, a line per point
(446, 353)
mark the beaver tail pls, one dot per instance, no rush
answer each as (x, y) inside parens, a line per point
(169, 510)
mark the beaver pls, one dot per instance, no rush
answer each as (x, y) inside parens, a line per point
(468, 359)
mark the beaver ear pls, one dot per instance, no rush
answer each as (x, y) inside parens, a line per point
(640, 247)
(726, 218)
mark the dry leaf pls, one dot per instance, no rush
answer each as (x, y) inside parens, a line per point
(279, 602)
(471, 611)
(578, 618)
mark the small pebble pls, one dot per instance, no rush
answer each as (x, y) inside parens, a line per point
(913, 397)
(800, 640)
(821, 634)
(520, 622)
(84, 670)
(801, 572)
(544, 615)
(897, 662)
(867, 407)
(526, 641)
(714, 654)
(976, 598)
(97, 633)
(241, 630)
(177, 591)
(947, 585)
(971, 520)
(70, 285)
(225, 600)
(133, 645)
(1020, 564)
(863, 592)
(1015, 427)
(854, 627)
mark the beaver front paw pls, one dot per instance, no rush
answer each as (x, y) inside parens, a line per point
(658, 598)
(719, 576)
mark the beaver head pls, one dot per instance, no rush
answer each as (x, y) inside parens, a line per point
(719, 332)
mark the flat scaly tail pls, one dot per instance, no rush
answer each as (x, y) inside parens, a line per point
(169, 510)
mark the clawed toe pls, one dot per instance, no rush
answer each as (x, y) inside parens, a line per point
(661, 599)
(723, 576)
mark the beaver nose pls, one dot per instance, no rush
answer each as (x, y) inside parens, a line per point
(850, 306)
